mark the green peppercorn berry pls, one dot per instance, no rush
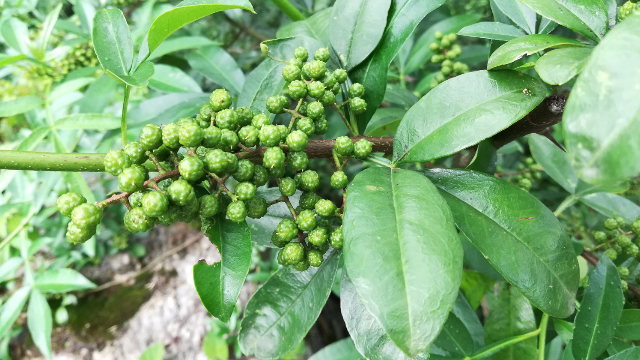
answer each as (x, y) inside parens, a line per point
(281, 259)
(434, 47)
(343, 146)
(77, 234)
(260, 176)
(236, 211)
(298, 160)
(315, 110)
(297, 140)
(209, 205)
(318, 236)
(306, 125)
(445, 70)
(314, 69)
(277, 172)
(136, 221)
(245, 171)
(245, 191)
(306, 220)
(297, 89)
(232, 164)
(524, 184)
(356, 90)
(216, 161)
(339, 180)
(611, 253)
(220, 99)
(301, 53)
(151, 137)
(328, 98)
(336, 89)
(191, 135)
(322, 54)
(309, 180)
(358, 105)
(273, 157)
(229, 140)
(227, 119)
(154, 203)
(171, 136)
(616, 247)
(287, 230)
(211, 137)
(308, 200)
(623, 240)
(86, 216)
(206, 111)
(440, 78)
(135, 199)
(245, 115)
(302, 265)
(181, 192)
(291, 72)
(337, 239)
(620, 221)
(69, 201)
(274, 105)
(256, 207)
(116, 161)
(287, 186)
(610, 224)
(260, 120)
(248, 136)
(325, 208)
(278, 240)
(131, 179)
(362, 148)
(293, 253)
(623, 271)
(635, 227)
(600, 236)
(316, 89)
(296, 62)
(269, 135)
(321, 125)
(632, 250)
(136, 152)
(340, 75)
(314, 257)
(191, 168)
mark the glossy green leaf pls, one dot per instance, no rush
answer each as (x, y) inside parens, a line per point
(485, 158)
(219, 284)
(604, 152)
(528, 45)
(368, 335)
(179, 43)
(19, 105)
(455, 338)
(473, 259)
(112, 41)
(184, 13)
(612, 11)
(384, 122)
(554, 162)
(612, 205)
(316, 27)
(171, 79)
(564, 330)
(153, 352)
(400, 96)
(356, 27)
(62, 280)
(140, 78)
(35, 138)
(510, 314)
(616, 346)
(463, 311)
(340, 350)
(463, 111)
(40, 322)
(404, 16)
(599, 312)
(629, 326)
(630, 354)
(420, 53)
(588, 17)
(501, 220)
(519, 14)
(85, 11)
(263, 228)
(16, 34)
(88, 122)
(492, 30)
(9, 267)
(218, 66)
(559, 66)
(546, 26)
(11, 308)
(416, 237)
(282, 311)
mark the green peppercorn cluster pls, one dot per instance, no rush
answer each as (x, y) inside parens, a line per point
(617, 237)
(480, 7)
(80, 56)
(85, 218)
(628, 8)
(446, 50)
(527, 174)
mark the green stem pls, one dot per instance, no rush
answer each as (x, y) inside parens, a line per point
(570, 200)
(17, 230)
(335, 159)
(123, 122)
(494, 348)
(288, 9)
(543, 335)
(39, 161)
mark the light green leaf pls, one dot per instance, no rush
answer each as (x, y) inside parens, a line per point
(11, 308)
(48, 24)
(98, 95)
(612, 205)
(492, 30)
(62, 280)
(153, 352)
(40, 322)
(599, 312)
(604, 152)
(546, 26)
(68, 87)
(112, 41)
(485, 158)
(629, 354)
(218, 66)
(16, 35)
(414, 233)
(478, 105)
(528, 45)
(340, 350)
(179, 43)
(86, 12)
(36, 136)
(316, 27)
(215, 346)
(559, 66)
(171, 79)
(8, 267)
(140, 78)
(519, 14)
(501, 220)
(19, 106)
(564, 330)
(101, 122)
(554, 162)
(629, 326)
(6, 59)
(588, 17)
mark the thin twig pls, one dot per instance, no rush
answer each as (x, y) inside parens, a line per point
(120, 196)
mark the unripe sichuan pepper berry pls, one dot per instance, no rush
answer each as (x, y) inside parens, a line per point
(136, 221)
(191, 135)
(315, 110)
(277, 171)
(309, 180)
(69, 201)
(611, 253)
(287, 186)
(343, 146)
(245, 191)
(76, 234)
(171, 136)
(293, 253)
(283, 131)
(358, 105)
(216, 161)
(301, 53)
(362, 148)
(314, 257)
(635, 227)
(249, 136)
(86, 215)
(209, 205)
(270, 135)
(151, 137)
(296, 62)
(318, 236)
(339, 180)
(306, 220)
(136, 152)
(131, 179)
(600, 236)
(356, 90)
(116, 161)
(610, 224)
(620, 221)
(212, 136)
(245, 171)
(220, 99)
(245, 115)
(298, 160)
(181, 192)
(328, 98)
(260, 176)
(287, 230)
(322, 125)
(191, 168)
(232, 163)
(227, 119)
(306, 125)
(291, 72)
(302, 265)
(314, 69)
(236, 211)
(316, 89)
(340, 75)
(154, 203)
(275, 105)
(256, 207)
(273, 157)
(297, 140)
(623, 271)
(260, 120)
(337, 239)
(624, 241)
(325, 208)
(322, 54)
(297, 89)
(308, 200)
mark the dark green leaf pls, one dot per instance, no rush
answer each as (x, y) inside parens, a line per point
(615, 347)
(112, 41)
(171, 79)
(179, 43)
(153, 352)
(455, 338)
(492, 30)
(519, 14)
(218, 66)
(356, 27)
(510, 314)
(606, 151)
(263, 228)
(599, 312)
(630, 354)
(400, 96)
(368, 335)
(282, 311)
(564, 330)
(612, 205)
(88, 122)
(559, 66)
(528, 45)
(629, 326)
(404, 16)
(410, 223)
(588, 17)
(340, 350)
(16, 34)
(554, 162)
(36, 136)
(485, 158)
(474, 259)
(61, 281)
(546, 26)
(501, 220)
(140, 78)
(219, 284)
(463, 311)
(40, 322)
(19, 105)
(316, 27)
(463, 111)
(384, 122)
(11, 308)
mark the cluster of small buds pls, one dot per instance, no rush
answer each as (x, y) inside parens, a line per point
(618, 237)
(446, 50)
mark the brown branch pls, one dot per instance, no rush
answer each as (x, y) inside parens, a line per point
(593, 261)
(119, 197)
(132, 8)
